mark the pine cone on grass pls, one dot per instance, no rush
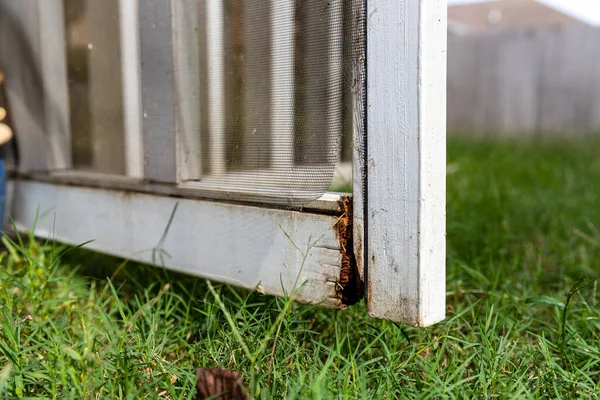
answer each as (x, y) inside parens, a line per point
(220, 384)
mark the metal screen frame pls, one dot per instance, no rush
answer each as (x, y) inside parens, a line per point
(388, 236)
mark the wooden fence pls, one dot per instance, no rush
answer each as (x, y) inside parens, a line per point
(525, 82)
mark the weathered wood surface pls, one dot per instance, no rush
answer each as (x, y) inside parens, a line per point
(406, 160)
(246, 246)
(525, 82)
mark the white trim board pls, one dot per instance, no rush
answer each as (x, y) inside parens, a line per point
(406, 160)
(241, 245)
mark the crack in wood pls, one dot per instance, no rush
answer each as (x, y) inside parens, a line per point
(349, 287)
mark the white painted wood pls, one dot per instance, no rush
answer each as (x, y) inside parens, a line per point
(282, 85)
(132, 104)
(406, 99)
(216, 85)
(246, 246)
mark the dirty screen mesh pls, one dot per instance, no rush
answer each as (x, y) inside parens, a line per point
(276, 103)
(251, 100)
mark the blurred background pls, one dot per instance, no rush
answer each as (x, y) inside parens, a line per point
(524, 67)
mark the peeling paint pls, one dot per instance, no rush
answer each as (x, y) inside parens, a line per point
(350, 287)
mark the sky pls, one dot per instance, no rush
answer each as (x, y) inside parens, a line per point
(586, 10)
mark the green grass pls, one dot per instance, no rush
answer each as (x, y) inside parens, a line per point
(523, 222)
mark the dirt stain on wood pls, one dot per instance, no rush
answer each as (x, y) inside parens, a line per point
(350, 287)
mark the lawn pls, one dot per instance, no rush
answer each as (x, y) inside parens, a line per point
(523, 230)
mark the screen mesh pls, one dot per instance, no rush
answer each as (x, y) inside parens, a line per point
(93, 52)
(276, 99)
(243, 99)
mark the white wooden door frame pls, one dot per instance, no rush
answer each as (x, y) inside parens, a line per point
(406, 160)
(391, 240)
(270, 250)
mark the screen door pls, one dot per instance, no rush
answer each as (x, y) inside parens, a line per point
(283, 146)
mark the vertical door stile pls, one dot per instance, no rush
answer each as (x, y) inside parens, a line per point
(406, 156)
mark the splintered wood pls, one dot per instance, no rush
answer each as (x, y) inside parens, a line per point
(350, 288)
